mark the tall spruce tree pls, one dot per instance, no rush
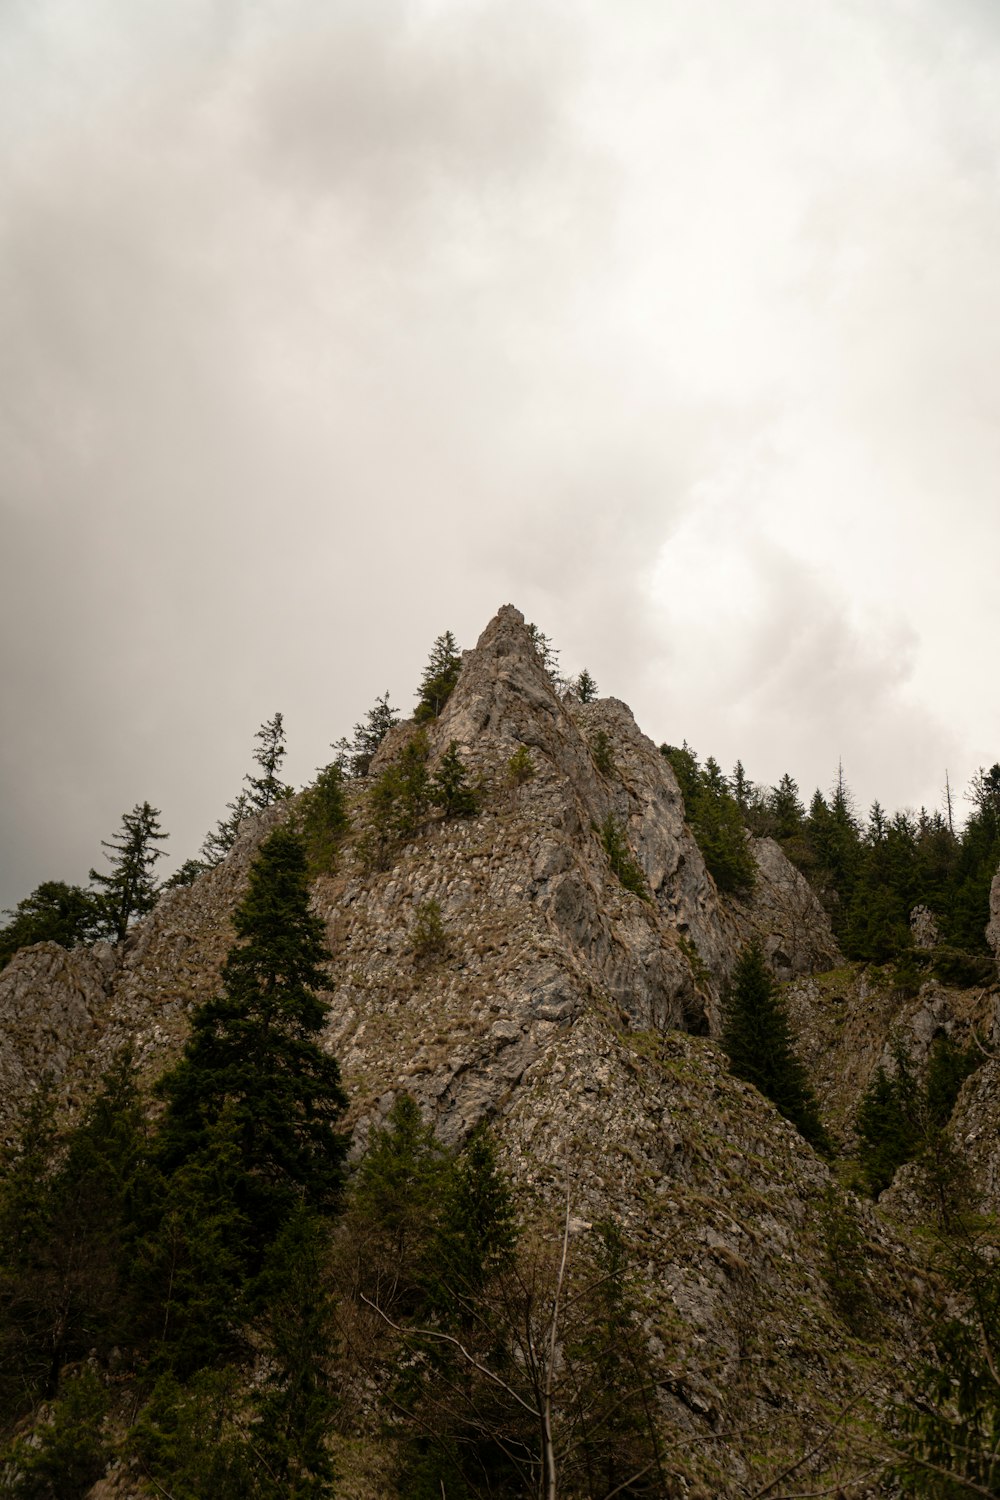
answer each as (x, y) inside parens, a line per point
(757, 1037)
(253, 1076)
(130, 890)
(354, 757)
(439, 679)
(270, 752)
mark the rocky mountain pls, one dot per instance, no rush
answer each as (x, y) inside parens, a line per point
(580, 1018)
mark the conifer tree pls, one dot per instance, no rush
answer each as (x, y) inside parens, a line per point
(439, 679)
(53, 913)
(253, 1069)
(757, 1038)
(449, 786)
(222, 838)
(586, 687)
(270, 752)
(130, 890)
(355, 756)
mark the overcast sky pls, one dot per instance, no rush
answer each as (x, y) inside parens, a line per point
(325, 327)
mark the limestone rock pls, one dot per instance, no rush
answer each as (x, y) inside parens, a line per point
(785, 913)
(993, 926)
(924, 928)
(51, 1003)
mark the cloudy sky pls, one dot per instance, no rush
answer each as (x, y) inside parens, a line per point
(325, 327)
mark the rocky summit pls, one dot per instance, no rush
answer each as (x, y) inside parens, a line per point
(577, 1013)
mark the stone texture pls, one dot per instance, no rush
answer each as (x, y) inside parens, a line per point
(575, 1016)
(924, 928)
(993, 926)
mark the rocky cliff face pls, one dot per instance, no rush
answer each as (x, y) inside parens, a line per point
(577, 1017)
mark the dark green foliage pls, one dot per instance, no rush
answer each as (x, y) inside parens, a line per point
(268, 787)
(476, 1234)
(186, 874)
(621, 858)
(715, 819)
(845, 1262)
(546, 652)
(948, 1066)
(952, 1420)
(130, 890)
(439, 679)
(602, 753)
(429, 938)
(66, 1453)
(397, 803)
(250, 1128)
(902, 1119)
(53, 913)
(354, 757)
(520, 767)
(64, 1228)
(964, 970)
(190, 1439)
(585, 687)
(323, 819)
(395, 1207)
(449, 786)
(757, 1037)
(612, 1382)
(887, 1123)
(222, 838)
(294, 1405)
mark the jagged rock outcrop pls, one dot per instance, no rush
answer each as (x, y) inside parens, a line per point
(575, 1015)
(993, 926)
(785, 913)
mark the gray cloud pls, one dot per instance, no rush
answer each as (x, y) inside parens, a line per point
(322, 330)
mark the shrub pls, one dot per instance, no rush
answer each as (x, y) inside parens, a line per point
(621, 858)
(757, 1038)
(602, 753)
(430, 940)
(520, 767)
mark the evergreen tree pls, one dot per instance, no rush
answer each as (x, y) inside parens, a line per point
(786, 809)
(65, 1221)
(887, 1123)
(270, 752)
(53, 913)
(185, 874)
(324, 818)
(222, 838)
(757, 1038)
(130, 890)
(449, 786)
(396, 1209)
(586, 687)
(355, 756)
(715, 818)
(546, 653)
(439, 679)
(253, 1069)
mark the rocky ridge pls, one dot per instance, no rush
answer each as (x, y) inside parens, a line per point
(578, 1018)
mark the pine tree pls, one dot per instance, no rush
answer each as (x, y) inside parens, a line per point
(449, 786)
(439, 679)
(586, 687)
(53, 913)
(222, 838)
(130, 890)
(355, 756)
(268, 786)
(757, 1038)
(324, 818)
(253, 1065)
